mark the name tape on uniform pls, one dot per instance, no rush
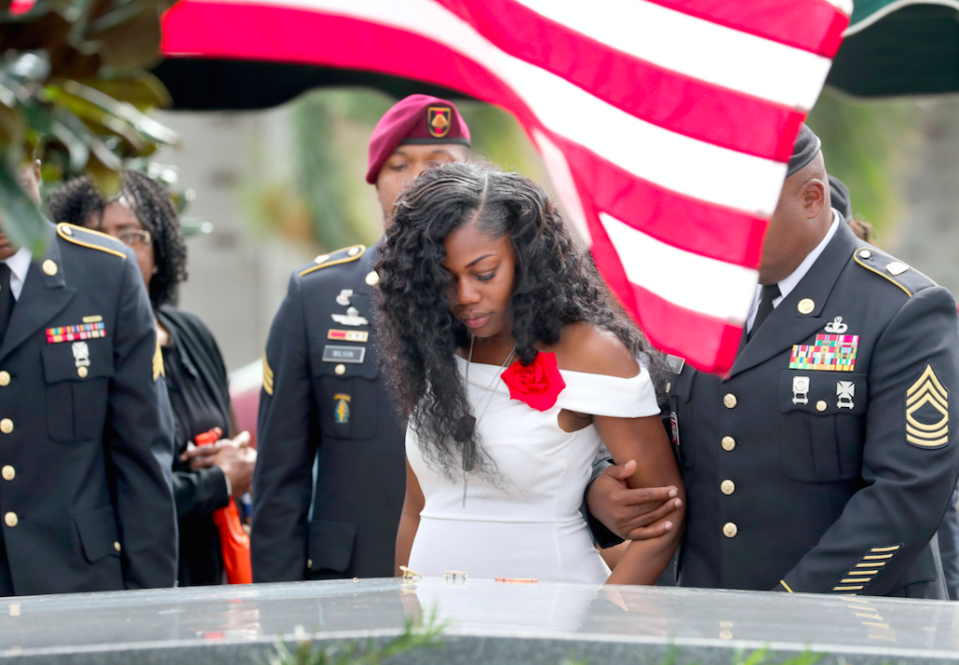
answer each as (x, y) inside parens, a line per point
(343, 354)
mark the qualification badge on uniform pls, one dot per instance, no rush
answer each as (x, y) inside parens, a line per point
(341, 411)
(800, 390)
(927, 411)
(845, 391)
(81, 354)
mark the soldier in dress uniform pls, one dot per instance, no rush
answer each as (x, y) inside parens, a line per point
(825, 460)
(331, 474)
(86, 431)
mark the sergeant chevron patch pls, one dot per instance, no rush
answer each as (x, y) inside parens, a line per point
(267, 377)
(927, 411)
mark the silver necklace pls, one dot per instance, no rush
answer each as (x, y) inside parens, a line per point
(469, 451)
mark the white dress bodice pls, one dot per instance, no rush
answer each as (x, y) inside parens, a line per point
(527, 523)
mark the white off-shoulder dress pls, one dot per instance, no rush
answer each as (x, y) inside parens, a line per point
(528, 525)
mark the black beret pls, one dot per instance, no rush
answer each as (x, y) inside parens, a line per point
(839, 195)
(807, 147)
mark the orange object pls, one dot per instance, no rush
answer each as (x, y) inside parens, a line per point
(234, 543)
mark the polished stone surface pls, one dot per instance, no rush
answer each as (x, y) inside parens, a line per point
(488, 622)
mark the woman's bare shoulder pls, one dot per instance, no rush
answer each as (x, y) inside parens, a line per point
(585, 347)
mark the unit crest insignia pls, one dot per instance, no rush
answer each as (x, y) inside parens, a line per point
(927, 411)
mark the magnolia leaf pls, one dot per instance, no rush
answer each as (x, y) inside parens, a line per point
(107, 179)
(20, 219)
(13, 127)
(144, 91)
(77, 149)
(133, 43)
(98, 120)
(147, 127)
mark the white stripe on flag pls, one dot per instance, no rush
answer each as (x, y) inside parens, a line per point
(676, 162)
(562, 179)
(695, 47)
(694, 282)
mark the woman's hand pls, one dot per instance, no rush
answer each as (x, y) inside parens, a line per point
(234, 457)
(201, 457)
(629, 513)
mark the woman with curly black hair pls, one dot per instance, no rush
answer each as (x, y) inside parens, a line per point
(512, 362)
(143, 217)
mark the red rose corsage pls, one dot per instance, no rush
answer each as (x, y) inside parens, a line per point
(539, 385)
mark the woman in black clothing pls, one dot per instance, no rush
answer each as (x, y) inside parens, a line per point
(144, 218)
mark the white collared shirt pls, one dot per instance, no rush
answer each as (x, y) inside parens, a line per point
(19, 265)
(789, 283)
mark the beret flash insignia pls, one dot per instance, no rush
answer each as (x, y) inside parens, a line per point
(438, 121)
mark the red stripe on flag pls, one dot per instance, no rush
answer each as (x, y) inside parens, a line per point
(811, 25)
(705, 342)
(675, 219)
(668, 99)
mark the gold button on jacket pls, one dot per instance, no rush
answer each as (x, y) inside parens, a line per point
(729, 443)
(11, 519)
(8, 472)
(730, 530)
(6, 425)
(730, 401)
(4, 378)
(727, 487)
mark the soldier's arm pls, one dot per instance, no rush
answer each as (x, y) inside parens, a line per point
(139, 437)
(910, 456)
(287, 428)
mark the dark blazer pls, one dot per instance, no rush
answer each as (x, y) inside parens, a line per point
(797, 482)
(86, 455)
(330, 477)
(198, 493)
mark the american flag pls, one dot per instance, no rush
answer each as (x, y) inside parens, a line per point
(665, 125)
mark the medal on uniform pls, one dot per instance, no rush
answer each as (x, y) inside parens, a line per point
(348, 335)
(800, 390)
(833, 353)
(92, 330)
(351, 318)
(674, 426)
(344, 297)
(845, 391)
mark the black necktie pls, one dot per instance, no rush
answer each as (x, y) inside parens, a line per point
(7, 300)
(770, 293)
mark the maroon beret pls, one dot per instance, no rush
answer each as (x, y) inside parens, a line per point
(418, 119)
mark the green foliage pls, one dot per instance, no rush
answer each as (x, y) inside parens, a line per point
(415, 635)
(863, 145)
(73, 92)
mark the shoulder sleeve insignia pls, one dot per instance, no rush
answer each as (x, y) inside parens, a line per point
(345, 255)
(267, 376)
(158, 368)
(92, 239)
(927, 411)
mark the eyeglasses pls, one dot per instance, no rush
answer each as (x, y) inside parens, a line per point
(135, 238)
